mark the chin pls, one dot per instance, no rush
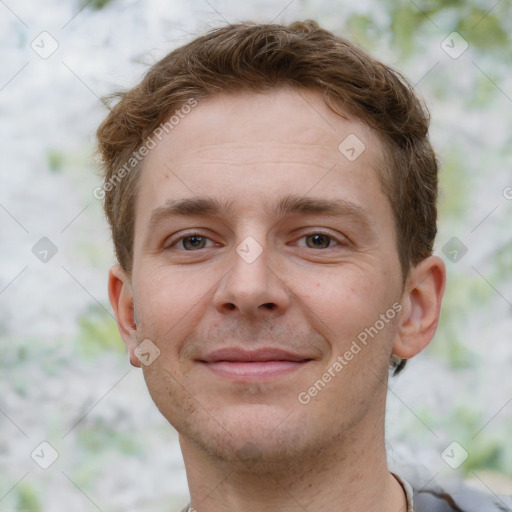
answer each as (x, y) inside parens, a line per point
(255, 438)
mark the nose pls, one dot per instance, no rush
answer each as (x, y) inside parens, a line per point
(251, 287)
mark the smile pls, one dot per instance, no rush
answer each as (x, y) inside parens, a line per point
(238, 364)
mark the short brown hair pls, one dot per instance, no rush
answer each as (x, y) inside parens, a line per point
(259, 57)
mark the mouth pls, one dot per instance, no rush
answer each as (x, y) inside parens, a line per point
(239, 364)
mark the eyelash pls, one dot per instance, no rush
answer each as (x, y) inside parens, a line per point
(193, 234)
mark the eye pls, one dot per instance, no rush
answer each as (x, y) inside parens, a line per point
(321, 240)
(196, 241)
(190, 242)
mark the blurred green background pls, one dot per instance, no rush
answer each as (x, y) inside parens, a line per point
(65, 376)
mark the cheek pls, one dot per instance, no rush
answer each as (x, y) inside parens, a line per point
(170, 304)
(348, 309)
(349, 299)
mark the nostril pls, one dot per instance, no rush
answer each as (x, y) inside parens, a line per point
(269, 305)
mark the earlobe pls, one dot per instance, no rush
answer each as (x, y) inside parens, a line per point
(121, 298)
(422, 299)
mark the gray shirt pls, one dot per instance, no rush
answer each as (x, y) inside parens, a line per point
(433, 497)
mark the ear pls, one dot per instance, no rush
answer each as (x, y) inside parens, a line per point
(421, 300)
(121, 298)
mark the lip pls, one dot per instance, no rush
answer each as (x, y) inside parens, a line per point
(240, 355)
(240, 364)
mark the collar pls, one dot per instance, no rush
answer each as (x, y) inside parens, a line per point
(406, 486)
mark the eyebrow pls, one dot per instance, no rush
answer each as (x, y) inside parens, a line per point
(287, 205)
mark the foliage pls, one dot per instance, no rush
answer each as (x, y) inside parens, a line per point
(102, 438)
(98, 332)
(97, 5)
(55, 159)
(28, 499)
(488, 446)
(483, 27)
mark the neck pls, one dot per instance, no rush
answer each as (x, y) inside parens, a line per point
(351, 475)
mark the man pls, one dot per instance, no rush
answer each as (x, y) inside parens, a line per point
(272, 197)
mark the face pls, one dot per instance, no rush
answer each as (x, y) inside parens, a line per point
(266, 273)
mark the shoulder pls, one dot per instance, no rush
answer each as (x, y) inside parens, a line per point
(431, 494)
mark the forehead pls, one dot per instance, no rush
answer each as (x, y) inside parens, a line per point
(282, 115)
(257, 145)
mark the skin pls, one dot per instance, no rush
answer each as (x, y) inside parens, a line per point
(247, 441)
